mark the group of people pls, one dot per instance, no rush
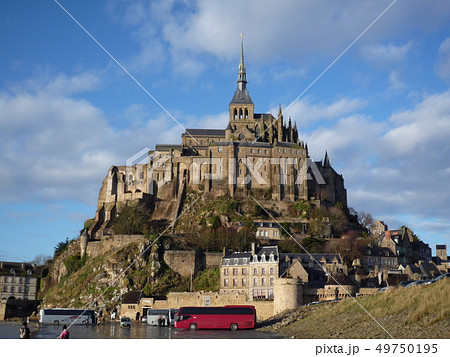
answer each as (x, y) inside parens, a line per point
(24, 332)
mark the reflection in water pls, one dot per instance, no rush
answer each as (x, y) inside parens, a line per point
(140, 330)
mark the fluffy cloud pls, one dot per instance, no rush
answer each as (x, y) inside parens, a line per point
(193, 29)
(398, 169)
(54, 146)
(381, 54)
(443, 65)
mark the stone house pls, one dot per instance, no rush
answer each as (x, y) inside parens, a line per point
(268, 230)
(377, 228)
(19, 281)
(442, 260)
(399, 243)
(378, 258)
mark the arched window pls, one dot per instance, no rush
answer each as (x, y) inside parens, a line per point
(130, 177)
(240, 114)
(142, 176)
(246, 113)
(235, 114)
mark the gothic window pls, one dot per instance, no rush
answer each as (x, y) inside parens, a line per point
(240, 114)
(246, 113)
(235, 114)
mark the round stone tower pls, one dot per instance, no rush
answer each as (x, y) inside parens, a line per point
(288, 294)
(84, 239)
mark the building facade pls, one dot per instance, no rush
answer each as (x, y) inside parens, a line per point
(18, 281)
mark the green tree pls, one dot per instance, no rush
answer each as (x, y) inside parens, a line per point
(132, 219)
(61, 246)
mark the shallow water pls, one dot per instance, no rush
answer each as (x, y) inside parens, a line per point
(138, 330)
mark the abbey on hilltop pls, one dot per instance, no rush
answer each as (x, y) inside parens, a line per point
(257, 155)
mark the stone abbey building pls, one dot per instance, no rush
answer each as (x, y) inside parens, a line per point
(257, 155)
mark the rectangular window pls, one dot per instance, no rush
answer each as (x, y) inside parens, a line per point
(234, 282)
(272, 270)
(252, 151)
(219, 149)
(255, 282)
(266, 152)
(263, 281)
(225, 282)
(255, 271)
(244, 271)
(234, 271)
(225, 272)
(244, 282)
(271, 281)
(263, 271)
(259, 151)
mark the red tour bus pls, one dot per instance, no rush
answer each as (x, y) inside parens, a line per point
(228, 317)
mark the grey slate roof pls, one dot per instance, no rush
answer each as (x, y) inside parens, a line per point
(241, 97)
(204, 132)
(164, 147)
(132, 297)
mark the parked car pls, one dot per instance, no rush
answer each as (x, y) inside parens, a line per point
(443, 276)
(404, 283)
(144, 319)
(416, 282)
(125, 322)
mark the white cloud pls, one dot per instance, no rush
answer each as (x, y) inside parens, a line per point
(381, 54)
(443, 64)
(396, 83)
(307, 113)
(53, 146)
(291, 31)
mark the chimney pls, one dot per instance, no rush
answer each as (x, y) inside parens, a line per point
(253, 248)
(441, 251)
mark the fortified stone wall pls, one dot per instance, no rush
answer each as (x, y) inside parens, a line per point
(184, 262)
(288, 294)
(97, 248)
(213, 260)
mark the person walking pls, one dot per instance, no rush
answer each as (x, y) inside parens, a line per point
(64, 333)
(24, 331)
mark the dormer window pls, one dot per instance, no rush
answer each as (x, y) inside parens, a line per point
(263, 258)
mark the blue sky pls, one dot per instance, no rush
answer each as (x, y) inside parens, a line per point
(68, 112)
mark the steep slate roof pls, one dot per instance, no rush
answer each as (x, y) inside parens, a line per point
(132, 297)
(204, 132)
(379, 252)
(339, 278)
(429, 269)
(241, 97)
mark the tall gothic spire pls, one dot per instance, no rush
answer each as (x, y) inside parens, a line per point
(242, 76)
(242, 96)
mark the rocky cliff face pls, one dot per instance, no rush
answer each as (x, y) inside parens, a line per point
(101, 281)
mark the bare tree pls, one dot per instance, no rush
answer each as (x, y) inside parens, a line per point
(41, 259)
(365, 219)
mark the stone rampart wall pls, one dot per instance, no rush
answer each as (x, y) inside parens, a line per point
(97, 248)
(184, 262)
(213, 260)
